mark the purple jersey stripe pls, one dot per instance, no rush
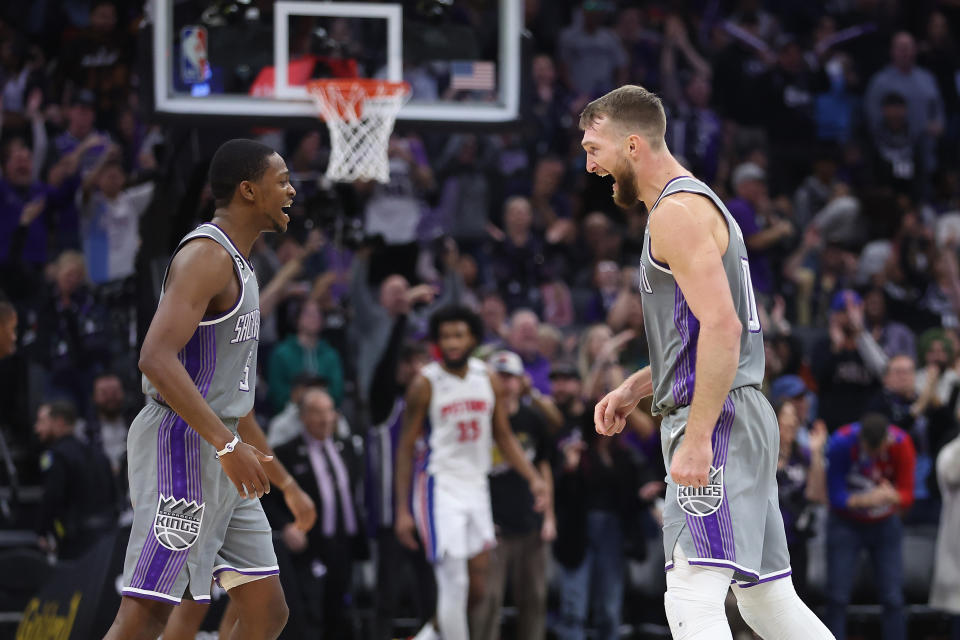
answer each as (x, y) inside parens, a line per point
(679, 375)
(688, 327)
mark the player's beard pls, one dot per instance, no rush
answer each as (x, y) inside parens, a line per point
(627, 192)
(459, 363)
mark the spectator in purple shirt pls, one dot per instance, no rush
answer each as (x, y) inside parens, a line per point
(80, 119)
(523, 338)
(18, 190)
(894, 337)
(751, 209)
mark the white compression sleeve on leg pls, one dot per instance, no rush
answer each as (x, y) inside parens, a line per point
(694, 600)
(775, 611)
(453, 584)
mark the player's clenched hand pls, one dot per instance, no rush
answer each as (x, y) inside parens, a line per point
(301, 506)
(691, 462)
(243, 467)
(405, 528)
(610, 415)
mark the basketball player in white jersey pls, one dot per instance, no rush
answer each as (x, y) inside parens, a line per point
(456, 406)
(720, 439)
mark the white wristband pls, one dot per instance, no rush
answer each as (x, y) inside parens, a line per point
(229, 447)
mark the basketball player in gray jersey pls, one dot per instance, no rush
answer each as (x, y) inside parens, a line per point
(719, 434)
(194, 483)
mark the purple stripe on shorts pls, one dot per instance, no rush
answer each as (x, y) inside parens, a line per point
(178, 465)
(723, 564)
(767, 579)
(720, 519)
(713, 534)
(157, 566)
(147, 596)
(178, 559)
(149, 550)
(247, 572)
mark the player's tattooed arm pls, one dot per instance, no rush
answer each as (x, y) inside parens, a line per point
(300, 504)
(417, 403)
(512, 451)
(187, 298)
(689, 235)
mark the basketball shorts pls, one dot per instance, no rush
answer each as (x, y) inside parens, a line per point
(189, 522)
(453, 518)
(735, 521)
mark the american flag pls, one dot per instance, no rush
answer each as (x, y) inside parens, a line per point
(478, 76)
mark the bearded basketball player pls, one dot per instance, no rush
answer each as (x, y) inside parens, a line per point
(719, 435)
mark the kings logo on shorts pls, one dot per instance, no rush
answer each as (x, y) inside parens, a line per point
(177, 524)
(702, 501)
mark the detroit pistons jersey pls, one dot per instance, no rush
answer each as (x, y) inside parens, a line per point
(221, 356)
(672, 329)
(460, 430)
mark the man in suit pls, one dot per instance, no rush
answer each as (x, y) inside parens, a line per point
(322, 559)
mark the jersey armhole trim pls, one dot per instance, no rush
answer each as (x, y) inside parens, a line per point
(662, 266)
(220, 317)
(727, 217)
(236, 270)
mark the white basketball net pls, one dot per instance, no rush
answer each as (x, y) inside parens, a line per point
(358, 146)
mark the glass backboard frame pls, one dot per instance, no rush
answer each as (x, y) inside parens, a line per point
(294, 102)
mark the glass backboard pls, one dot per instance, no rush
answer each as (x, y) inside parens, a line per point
(252, 58)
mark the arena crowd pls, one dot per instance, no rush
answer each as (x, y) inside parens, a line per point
(830, 127)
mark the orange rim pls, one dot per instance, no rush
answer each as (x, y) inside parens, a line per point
(371, 87)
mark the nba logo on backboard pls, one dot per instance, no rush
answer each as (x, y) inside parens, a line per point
(194, 65)
(177, 524)
(702, 501)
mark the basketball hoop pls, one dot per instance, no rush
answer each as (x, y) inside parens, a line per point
(359, 113)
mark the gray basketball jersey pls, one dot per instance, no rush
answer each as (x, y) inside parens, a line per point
(672, 329)
(221, 357)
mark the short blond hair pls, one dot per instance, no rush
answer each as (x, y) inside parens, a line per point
(632, 109)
